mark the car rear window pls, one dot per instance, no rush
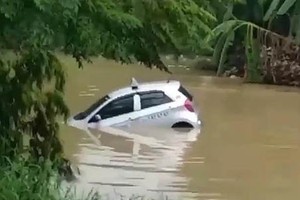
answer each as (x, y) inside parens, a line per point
(185, 93)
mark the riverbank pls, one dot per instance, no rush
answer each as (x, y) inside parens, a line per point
(277, 68)
(20, 181)
(284, 71)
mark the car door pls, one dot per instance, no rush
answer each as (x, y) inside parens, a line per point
(154, 108)
(118, 112)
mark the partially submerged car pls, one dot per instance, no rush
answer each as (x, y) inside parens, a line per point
(159, 104)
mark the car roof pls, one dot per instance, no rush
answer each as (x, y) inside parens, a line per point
(145, 86)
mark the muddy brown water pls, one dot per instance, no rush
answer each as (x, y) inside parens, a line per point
(247, 149)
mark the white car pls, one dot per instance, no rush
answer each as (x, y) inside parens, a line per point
(159, 104)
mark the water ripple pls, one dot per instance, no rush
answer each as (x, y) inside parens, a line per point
(125, 163)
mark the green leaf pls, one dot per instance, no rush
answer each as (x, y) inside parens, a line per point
(227, 30)
(286, 6)
(271, 9)
(295, 22)
(10, 195)
(225, 27)
(227, 43)
(218, 48)
(296, 28)
(228, 13)
(297, 8)
(262, 2)
(138, 9)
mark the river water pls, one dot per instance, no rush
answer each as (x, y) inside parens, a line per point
(247, 148)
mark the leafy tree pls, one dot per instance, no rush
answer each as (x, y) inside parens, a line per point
(32, 80)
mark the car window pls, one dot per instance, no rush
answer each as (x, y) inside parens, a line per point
(155, 98)
(117, 107)
(92, 108)
(185, 93)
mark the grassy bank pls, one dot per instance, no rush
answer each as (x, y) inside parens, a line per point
(22, 180)
(19, 179)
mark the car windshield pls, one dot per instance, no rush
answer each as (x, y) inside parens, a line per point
(94, 106)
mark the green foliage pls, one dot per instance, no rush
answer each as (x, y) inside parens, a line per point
(23, 180)
(271, 10)
(285, 7)
(138, 30)
(225, 33)
(161, 19)
(255, 34)
(252, 49)
(26, 106)
(295, 22)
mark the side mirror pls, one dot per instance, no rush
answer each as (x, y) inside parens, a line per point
(98, 117)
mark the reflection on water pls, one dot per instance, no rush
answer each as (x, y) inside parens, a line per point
(248, 148)
(135, 162)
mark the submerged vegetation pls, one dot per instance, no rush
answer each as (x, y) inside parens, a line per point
(259, 38)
